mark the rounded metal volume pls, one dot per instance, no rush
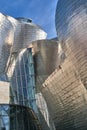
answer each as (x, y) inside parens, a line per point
(25, 32)
(6, 41)
(45, 54)
(71, 26)
(65, 90)
(71, 18)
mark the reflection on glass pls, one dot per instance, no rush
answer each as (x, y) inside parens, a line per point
(14, 117)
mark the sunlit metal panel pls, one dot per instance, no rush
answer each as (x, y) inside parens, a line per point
(25, 32)
(6, 41)
(66, 98)
(45, 53)
(65, 90)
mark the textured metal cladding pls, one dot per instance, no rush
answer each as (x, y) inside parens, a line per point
(65, 90)
(45, 61)
(66, 97)
(18, 38)
(31, 33)
(72, 31)
(25, 33)
(69, 16)
(6, 41)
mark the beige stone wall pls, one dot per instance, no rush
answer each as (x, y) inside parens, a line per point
(4, 92)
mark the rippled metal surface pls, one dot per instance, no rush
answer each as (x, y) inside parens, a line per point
(15, 35)
(45, 54)
(71, 18)
(6, 41)
(66, 89)
(66, 97)
(25, 33)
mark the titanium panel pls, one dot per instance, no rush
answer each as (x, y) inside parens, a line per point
(25, 32)
(6, 42)
(66, 98)
(65, 90)
(44, 60)
(71, 18)
(71, 26)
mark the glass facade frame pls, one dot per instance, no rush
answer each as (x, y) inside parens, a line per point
(15, 117)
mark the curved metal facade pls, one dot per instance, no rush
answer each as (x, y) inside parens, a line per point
(15, 35)
(44, 60)
(71, 18)
(72, 31)
(66, 98)
(65, 90)
(16, 62)
(25, 32)
(6, 42)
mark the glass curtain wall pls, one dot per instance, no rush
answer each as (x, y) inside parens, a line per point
(22, 79)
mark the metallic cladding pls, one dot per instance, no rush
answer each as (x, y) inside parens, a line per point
(15, 35)
(25, 33)
(16, 61)
(6, 42)
(66, 97)
(70, 14)
(44, 60)
(65, 90)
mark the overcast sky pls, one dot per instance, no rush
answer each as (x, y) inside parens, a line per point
(42, 12)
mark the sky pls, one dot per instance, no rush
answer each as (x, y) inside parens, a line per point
(42, 12)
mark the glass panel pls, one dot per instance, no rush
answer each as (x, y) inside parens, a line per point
(14, 117)
(4, 110)
(4, 123)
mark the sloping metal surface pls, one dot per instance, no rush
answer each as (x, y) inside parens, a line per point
(65, 90)
(45, 54)
(66, 97)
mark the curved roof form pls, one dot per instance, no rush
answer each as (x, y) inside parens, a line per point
(25, 32)
(15, 35)
(22, 19)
